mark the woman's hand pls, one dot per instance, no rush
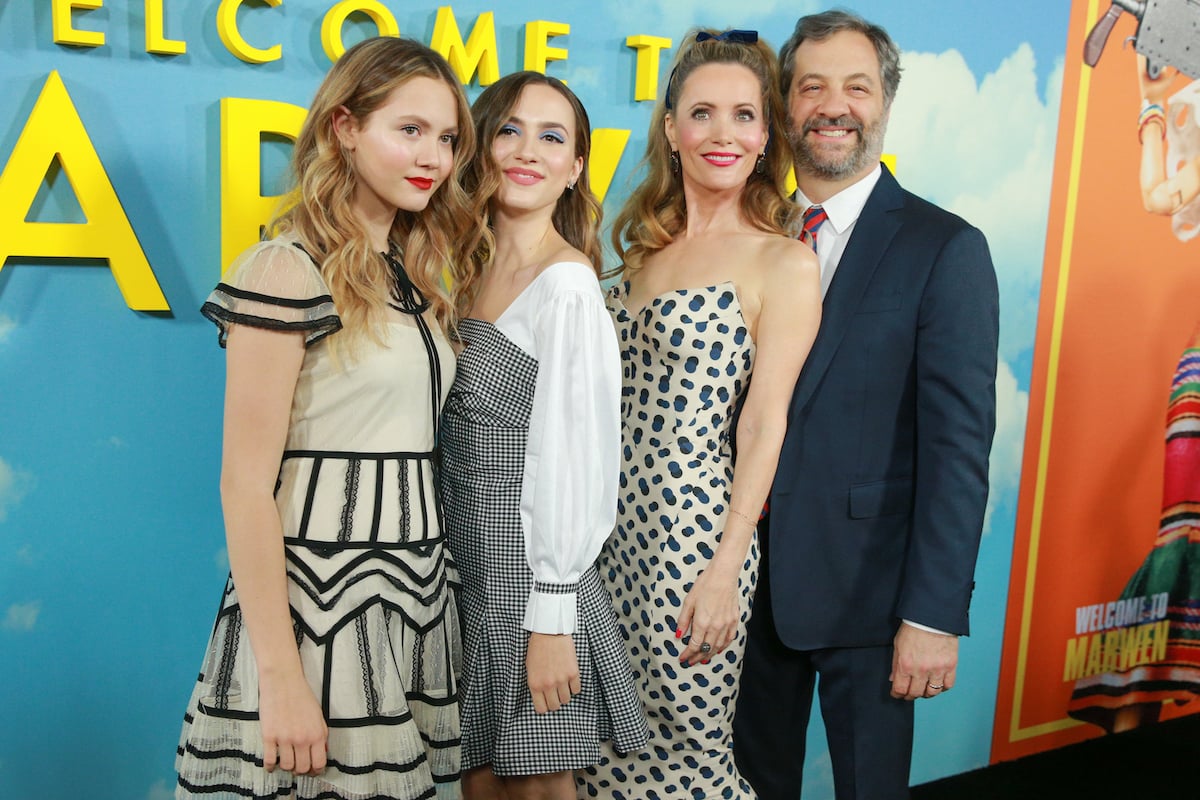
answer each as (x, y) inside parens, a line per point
(293, 727)
(552, 670)
(711, 611)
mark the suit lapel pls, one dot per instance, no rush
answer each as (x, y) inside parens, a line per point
(873, 233)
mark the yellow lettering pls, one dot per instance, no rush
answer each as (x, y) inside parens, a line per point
(1076, 656)
(231, 37)
(335, 19)
(1138, 645)
(1106, 650)
(1108, 656)
(608, 144)
(1160, 634)
(65, 31)
(1128, 637)
(645, 81)
(156, 40)
(1146, 643)
(1095, 650)
(478, 54)
(244, 210)
(538, 52)
(55, 129)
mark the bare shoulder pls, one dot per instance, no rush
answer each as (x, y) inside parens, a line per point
(567, 273)
(786, 264)
(788, 253)
(567, 253)
(570, 262)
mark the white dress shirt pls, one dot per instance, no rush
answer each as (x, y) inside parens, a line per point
(572, 457)
(843, 210)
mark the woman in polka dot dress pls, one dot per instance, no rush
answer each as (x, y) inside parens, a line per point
(714, 289)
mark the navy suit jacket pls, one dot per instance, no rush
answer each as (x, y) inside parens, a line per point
(878, 502)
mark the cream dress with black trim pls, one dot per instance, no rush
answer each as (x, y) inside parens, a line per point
(368, 574)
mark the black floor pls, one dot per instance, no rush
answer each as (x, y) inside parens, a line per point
(1157, 762)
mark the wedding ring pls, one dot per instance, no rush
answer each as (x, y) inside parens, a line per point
(936, 686)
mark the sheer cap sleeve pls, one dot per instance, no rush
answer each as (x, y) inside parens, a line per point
(274, 285)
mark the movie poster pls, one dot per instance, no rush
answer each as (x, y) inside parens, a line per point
(1103, 626)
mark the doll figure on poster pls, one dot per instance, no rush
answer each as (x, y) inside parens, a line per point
(1169, 135)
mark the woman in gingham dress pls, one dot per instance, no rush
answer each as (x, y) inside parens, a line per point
(531, 438)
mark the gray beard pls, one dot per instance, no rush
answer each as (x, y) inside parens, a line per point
(813, 161)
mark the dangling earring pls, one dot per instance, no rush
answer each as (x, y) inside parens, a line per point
(675, 165)
(760, 166)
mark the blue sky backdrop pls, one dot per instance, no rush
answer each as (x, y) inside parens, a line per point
(111, 546)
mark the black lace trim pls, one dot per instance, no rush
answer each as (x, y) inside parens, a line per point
(366, 666)
(353, 470)
(223, 317)
(405, 504)
(332, 547)
(416, 678)
(270, 299)
(229, 648)
(350, 455)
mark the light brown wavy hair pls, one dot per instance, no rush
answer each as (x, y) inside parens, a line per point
(577, 214)
(319, 210)
(656, 211)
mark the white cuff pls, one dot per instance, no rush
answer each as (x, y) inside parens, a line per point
(925, 628)
(551, 608)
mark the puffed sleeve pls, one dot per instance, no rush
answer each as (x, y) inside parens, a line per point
(572, 459)
(273, 285)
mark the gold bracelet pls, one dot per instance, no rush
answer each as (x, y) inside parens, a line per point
(735, 512)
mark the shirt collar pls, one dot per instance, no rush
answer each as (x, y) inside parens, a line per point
(844, 207)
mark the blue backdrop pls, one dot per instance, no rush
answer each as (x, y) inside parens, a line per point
(112, 553)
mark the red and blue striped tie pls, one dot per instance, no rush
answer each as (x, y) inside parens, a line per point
(814, 217)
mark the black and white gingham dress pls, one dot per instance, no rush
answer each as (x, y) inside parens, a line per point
(485, 426)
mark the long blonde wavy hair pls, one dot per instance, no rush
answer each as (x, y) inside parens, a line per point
(576, 215)
(319, 210)
(656, 211)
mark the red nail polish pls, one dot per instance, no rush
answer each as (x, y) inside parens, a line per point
(678, 633)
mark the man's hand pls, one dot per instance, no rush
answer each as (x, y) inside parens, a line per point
(923, 663)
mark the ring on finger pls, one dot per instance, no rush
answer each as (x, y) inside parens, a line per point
(937, 687)
(705, 648)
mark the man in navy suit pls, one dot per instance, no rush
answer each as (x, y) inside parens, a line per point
(878, 502)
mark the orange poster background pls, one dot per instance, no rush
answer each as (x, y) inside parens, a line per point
(1120, 297)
